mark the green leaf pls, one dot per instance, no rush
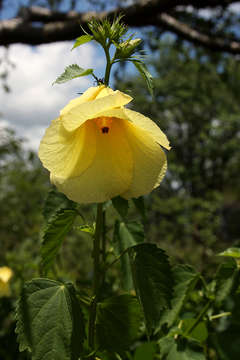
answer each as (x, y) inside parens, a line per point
(141, 67)
(86, 228)
(118, 322)
(121, 205)
(199, 332)
(145, 351)
(23, 329)
(226, 280)
(82, 40)
(53, 235)
(153, 281)
(140, 206)
(232, 252)
(179, 350)
(56, 201)
(125, 236)
(71, 72)
(49, 321)
(185, 278)
(133, 232)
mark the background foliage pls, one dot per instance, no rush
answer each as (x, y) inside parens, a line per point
(197, 105)
(194, 215)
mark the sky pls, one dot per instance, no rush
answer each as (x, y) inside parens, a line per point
(33, 102)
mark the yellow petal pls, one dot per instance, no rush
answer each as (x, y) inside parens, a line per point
(88, 95)
(149, 126)
(4, 289)
(110, 173)
(67, 156)
(149, 162)
(98, 149)
(5, 273)
(116, 113)
(105, 91)
(140, 121)
(81, 113)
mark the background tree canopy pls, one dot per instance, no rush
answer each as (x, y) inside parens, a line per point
(195, 64)
(197, 105)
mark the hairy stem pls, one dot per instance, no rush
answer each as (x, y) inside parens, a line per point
(198, 319)
(96, 275)
(104, 238)
(218, 316)
(98, 236)
(108, 66)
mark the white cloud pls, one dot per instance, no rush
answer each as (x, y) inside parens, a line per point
(235, 7)
(4, 124)
(33, 102)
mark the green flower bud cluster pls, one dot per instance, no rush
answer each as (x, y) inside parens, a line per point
(105, 32)
(127, 48)
(108, 33)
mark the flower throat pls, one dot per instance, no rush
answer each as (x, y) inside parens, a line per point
(104, 124)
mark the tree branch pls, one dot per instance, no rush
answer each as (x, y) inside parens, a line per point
(45, 15)
(37, 25)
(188, 33)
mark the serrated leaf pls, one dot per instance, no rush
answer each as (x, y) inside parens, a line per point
(232, 252)
(56, 201)
(53, 235)
(118, 322)
(179, 350)
(82, 40)
(226, 280)
(185, 277)
(71, 72)
(153, 281)
(125, 236)
(50, 321)
(199, 332)
(141, 67)
(121, 205)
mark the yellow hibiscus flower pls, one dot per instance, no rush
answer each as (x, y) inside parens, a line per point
(98, 149)
(5, 276)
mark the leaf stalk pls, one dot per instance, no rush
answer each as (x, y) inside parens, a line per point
(198, 319)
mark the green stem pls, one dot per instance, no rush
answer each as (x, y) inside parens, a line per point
(218, 316)
(117, 258)
(99, 234)
(108, 66)
(96, 248)
(104, 238)
(95, 77)
(198, 319)
(96, 275)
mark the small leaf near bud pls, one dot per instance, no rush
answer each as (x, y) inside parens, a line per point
(82, 40)
(71, 72)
